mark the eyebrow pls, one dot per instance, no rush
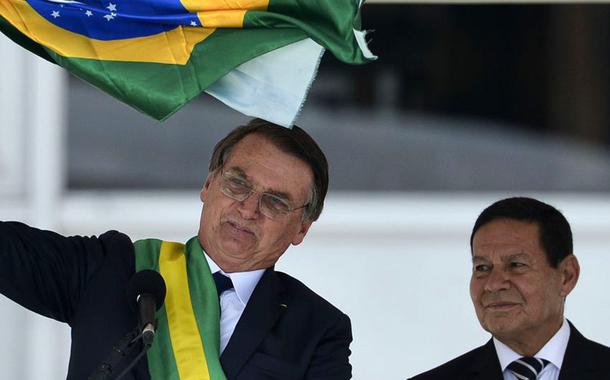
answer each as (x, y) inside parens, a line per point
(280, 194)
(504, 259)
(478, 258)
(237, 170)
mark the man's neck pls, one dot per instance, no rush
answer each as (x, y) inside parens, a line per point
(228, 265)
(553, 351)
(531, 341)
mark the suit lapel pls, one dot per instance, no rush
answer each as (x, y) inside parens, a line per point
(261, 313)
(486, 365)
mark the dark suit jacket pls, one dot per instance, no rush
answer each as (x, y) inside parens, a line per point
(583, 360)
(286, 331)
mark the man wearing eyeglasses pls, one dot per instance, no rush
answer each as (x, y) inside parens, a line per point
(266, 186)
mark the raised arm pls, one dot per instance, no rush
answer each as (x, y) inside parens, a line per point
(47, 272)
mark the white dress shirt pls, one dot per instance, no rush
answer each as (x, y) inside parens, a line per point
(553, 351)
(234, 301)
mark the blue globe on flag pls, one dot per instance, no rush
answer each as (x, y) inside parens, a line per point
(116, 19)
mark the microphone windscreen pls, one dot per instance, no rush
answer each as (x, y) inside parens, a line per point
(147, 282)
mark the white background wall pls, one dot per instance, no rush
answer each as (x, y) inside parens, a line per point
(398, 264)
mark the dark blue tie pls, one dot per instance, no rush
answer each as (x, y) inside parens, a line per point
(527, 367)
(222, 282)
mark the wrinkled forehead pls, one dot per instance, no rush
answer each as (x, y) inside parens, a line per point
(506, 236)
(255, 141)
(268, 168)
(238, 173)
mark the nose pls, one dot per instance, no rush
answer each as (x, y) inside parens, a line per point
(497, 280)
(248, 208)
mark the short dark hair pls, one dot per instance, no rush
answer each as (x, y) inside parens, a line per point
(294, 141)
(554, 231)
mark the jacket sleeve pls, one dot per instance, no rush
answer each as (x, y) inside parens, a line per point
(47, 272)
(331, 357)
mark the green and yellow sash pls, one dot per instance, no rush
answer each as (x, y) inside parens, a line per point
(187, 342)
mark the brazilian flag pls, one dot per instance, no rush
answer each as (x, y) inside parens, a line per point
(258, 56)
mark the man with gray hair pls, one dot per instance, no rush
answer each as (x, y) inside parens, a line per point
(227, 313)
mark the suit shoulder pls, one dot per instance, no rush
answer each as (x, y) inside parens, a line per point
(601, 355)
(578, 344)
(117, 240)
(598, 350)
(13, 232)
(299, 291)
(457, 368)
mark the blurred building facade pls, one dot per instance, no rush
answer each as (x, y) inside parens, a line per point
(467, 104)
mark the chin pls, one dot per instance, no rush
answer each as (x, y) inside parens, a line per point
(237, 252)
(500, 326)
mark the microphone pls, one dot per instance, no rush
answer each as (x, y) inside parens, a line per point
(147, 288)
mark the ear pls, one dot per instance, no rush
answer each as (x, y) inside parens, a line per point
(206, 187)
(300, 235)
(570, 271)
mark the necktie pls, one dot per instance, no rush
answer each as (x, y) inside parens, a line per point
(527, 367)
(222, 282)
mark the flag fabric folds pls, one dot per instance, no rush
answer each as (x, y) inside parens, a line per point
(258, 56)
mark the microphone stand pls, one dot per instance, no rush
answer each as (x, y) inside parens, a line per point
(126, 346)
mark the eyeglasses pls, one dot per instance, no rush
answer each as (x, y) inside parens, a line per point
(272, 206)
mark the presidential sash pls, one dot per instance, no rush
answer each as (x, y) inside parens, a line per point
(187, 342)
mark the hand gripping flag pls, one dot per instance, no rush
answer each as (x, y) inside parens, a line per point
(257, 56)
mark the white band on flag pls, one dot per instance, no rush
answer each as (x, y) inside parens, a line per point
(272, 86)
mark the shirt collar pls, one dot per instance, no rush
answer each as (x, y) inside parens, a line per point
(243, 282)
(553, 351)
